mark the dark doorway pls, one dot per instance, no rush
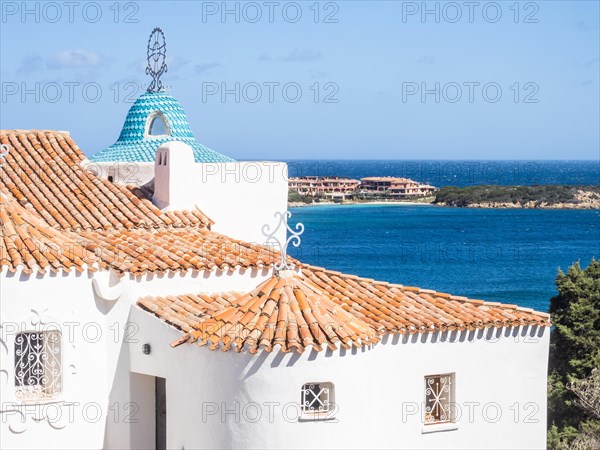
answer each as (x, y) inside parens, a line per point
(160, 396)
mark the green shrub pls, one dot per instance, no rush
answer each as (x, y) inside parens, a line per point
(295, 197)
(517, 195)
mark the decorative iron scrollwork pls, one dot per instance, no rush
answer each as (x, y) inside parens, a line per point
(294, 238)
(38, 365)
(438, 393)
(157, 59)
(316, 397)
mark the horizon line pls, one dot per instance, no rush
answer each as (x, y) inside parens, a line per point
(431, 159)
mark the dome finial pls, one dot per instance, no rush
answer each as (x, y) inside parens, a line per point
(157, 56)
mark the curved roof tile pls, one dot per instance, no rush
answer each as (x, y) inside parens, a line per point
(28, 242)
(55, 215)
(320, 308)
(155, 251)
(287, 311)
(43, 169)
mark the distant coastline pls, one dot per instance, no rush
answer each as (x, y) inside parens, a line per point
(525, 197)
(364, 202)
(497, 197)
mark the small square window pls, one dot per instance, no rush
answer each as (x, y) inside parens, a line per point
(317, 398)
(38, 372)
(439, 399)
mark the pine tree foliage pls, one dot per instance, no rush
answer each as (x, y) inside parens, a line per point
(574, 354)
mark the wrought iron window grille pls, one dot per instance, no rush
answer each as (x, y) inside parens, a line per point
(439, 399)
(38, 365)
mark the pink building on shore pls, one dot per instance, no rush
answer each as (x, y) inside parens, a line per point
(370, 187)
(394, 187)
(329, 186)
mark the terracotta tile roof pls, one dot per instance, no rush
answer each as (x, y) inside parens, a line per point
(43, 168)
(141, 251)
(117, 225)
(320, 307)
(287, 310)
(56, 215)
(26, 241)
(403, 309)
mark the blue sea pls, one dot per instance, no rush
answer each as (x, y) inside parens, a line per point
(506, 255)
(457, 173)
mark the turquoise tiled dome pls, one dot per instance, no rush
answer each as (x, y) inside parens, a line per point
(133, 146)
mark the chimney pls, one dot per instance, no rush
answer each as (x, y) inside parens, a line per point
(173, 176)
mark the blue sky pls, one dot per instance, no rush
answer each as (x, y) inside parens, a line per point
(523, 85)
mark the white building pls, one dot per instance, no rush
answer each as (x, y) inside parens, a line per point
(93, 278)
(149, 316)
(223, 188)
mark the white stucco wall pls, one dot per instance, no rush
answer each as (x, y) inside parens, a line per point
(176, 283)
(240, 197)
(243, 401)
(101, 405)
(173, 170)
(214, 397)
(92, 332)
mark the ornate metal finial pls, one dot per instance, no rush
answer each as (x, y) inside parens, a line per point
(157, 56)
(294, 238)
